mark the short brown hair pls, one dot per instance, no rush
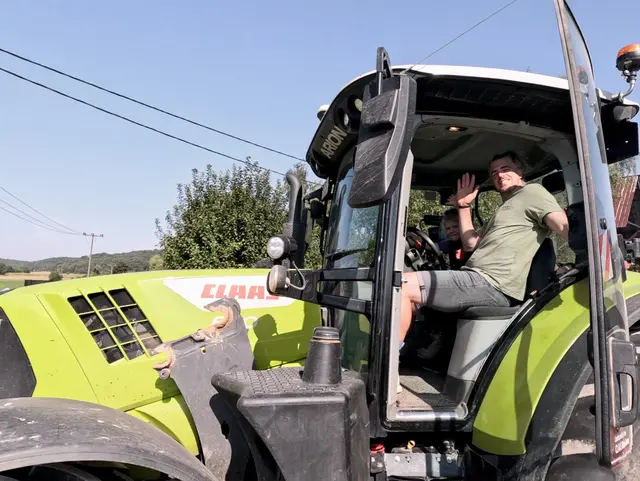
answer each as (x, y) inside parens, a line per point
(515, 158)
(450, 214)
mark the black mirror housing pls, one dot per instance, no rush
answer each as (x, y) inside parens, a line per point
(386, 129)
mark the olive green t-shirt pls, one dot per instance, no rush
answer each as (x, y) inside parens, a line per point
(510, 239)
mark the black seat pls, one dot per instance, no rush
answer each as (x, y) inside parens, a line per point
(540, 273)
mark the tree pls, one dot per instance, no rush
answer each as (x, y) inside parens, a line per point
(5, 269)
(55, 276)
(120, 267)
(156, 263)
(223, 220)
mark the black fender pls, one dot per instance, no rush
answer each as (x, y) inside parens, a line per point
(50, 430)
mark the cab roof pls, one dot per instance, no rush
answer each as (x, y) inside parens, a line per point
(498, 95)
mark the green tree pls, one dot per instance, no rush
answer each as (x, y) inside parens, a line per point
(156, 263)
(55, 276)
(120, 267)
(222, 220)
(420, 205)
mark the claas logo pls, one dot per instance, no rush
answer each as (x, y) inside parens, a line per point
(236, 291)
(249, 291)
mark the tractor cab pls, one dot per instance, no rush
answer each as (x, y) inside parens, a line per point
(502, 388)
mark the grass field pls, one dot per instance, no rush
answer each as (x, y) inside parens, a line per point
(8, 282)
(16, 279)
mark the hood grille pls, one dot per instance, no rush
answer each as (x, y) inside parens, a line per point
(118, 326)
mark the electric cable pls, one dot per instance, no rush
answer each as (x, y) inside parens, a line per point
(461, 35)
(37, 225)
(140, 124)
(144, 104)
(36, 211)
(34, 220)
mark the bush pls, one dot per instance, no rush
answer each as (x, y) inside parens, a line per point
(55, 276)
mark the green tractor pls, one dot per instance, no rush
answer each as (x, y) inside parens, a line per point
(293, 374)
(111, 341)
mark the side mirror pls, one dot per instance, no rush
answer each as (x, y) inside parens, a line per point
(384, 138)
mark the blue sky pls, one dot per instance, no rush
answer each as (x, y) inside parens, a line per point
(254, 69)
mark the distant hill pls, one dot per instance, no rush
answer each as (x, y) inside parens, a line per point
(101, 263)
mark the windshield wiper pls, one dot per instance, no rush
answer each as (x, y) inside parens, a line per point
(339, 254)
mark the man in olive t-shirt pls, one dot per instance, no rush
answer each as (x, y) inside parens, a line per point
(503, 249)
(508, 242)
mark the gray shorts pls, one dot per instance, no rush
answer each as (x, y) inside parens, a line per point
(454, 291)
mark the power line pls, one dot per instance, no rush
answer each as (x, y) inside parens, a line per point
(112, 92)
(36, 211)
(166, 134)
(37, 225)
(144, 104)
(40, 223)
(140, 124)
(462, 34)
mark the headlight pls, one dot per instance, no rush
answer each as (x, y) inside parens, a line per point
(275, 247)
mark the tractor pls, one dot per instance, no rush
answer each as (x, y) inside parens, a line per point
(293, 374)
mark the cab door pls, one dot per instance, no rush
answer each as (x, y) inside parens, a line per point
(613, 354)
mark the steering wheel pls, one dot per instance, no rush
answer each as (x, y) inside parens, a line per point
(423, 247)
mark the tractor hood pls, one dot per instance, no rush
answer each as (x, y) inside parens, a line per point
(94, 338)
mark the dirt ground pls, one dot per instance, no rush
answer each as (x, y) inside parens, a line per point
(43, 275)
(16, 279)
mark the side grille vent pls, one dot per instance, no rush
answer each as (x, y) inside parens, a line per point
(116, 323)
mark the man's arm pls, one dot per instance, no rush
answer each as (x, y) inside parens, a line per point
(558, 223)
(467, 192)
(544, 209)
(468, 234)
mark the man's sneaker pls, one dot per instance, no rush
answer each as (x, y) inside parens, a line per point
(429, 352)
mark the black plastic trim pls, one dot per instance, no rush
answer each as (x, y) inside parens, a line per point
(312, 295)
(313, 277)
(382, 311)
(17, 378)
(345, 303)
(347, 274)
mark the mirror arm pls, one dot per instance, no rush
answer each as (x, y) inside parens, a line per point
(632, 84)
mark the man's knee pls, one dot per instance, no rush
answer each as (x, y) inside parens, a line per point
(411, 287)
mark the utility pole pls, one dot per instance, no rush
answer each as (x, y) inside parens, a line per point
(92, 235)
